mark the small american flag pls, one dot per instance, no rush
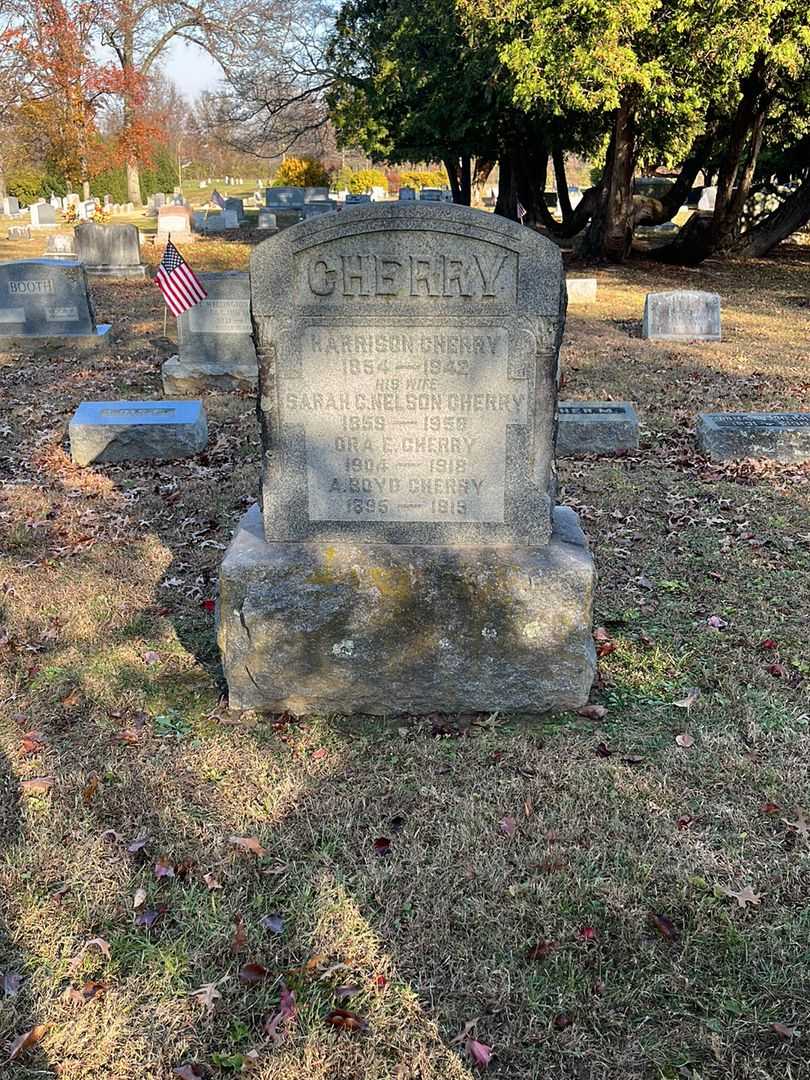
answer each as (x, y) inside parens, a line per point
(181, 287)
(521, 212)
(217, 200)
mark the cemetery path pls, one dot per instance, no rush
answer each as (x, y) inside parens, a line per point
(573, 887)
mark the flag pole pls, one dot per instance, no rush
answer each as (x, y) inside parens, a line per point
(165, 309)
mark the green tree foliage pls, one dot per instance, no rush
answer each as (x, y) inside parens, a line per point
(421, 178)
(301, 172)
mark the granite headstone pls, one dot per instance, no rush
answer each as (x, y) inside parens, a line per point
(596, 427)
(47, 298)
(43, 216)
(682, 315)
(109, 250)
(771, 436)
(110, 431)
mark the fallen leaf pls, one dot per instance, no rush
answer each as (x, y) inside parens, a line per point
(380, 981)
(252, 974)
(33, 742)
(685, 740)
(90, 789)
(382, 846)
(779, 671)
(39, 785)
(248, 843)
(586, 933)
(151, 657)
(251, 1061)
(10, 983)
(274, 923)
(239, 936)
(479, 1052)
(344, 1020)
(592, 712)
(717, 622)
(684, 821)
(207, 995)
(284, 1017)
(139, 899)
(211, 882)
(89, 990)
(541, 951)
(801, 825)
(507, 825)
(663, 925)
(563, 1021)
(147, 919)
(137, 845)
(783, 1031)
(397, 823)
(189, 1071)
(163, 869)
(603, 750)
(770, 808)
(768, 643)
(345, 993)
(692, 694)
(72, 699)
(605, 648)
(208, 605)
(743, 897)
(112, 836)
(320, 754)
(26, 1041)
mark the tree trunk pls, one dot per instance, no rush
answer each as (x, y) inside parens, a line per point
(134, 183)
(85, 190)
(483, 167)
(561, 181)
(778, 225)
(529, 169)
(3, 188)
(506, 204)
(458, 173)
(610, 232)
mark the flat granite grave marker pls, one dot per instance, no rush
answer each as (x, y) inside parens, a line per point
(109, 431)
(47, 299)
(581, 290)
(681, 315)
(596, 427)
(408, 554)
(773, 436)
(215, 339)
(109, 250)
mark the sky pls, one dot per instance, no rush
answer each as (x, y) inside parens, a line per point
(192, 69)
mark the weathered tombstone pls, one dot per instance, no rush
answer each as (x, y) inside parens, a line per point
(319, 206)
(215, 338)
(773, 436)
(429, 194)
(681, 315)
(408, 555)
(55, 202)
(581, 290)
(175, 222)
(378, 193)
(11, 206)
(87, 209)
(284, 198)
(109, 431)
(43, 216)
(19, 232)
(236, 206)
(109, 250)
(354, 200)
(71, 199)
(267, 221)
(46, 298)
(60, 247)
(596, 427)
(158, 200)
(708, 198)
(407, 194)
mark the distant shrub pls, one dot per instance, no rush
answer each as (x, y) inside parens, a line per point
(422, 178)
(27, 185)
(301, 172)
(360, 181)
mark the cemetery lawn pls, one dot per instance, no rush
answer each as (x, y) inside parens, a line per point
(598, 897)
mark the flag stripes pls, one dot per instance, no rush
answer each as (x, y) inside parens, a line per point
(181, 287)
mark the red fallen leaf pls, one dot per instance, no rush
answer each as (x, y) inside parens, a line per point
(479, 1052)
(208, 605)
(344, 1020)
(382, 846)
(10, 983)
(72, 699)
(286, 1015)
(33, 742)
(189, 1071)
(39, 785)
(26, 1041)
(586, 933)
(684, 821)
(239, 936)
(275, 923)
(592, 712)
(163, 869)
(563, 1021)
(380, 981)
(716, 622)
(248, 843)
(541, 951)
(252, 974)
(320, 754)
(346, 993)
(663, 925)
(605, 648)
(507, 825)
(779, 671)
(783, 1031)
(770, 808)
(768, 643)
(602, 750)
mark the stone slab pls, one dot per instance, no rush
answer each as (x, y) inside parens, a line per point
(45, 298)
(771, 436)
(408, 360)
(581, 290)
(358, 628)
(682, 315)
(109, 431)
(109, 250)
(43, 216)
(596, 427)
(219, 329)
(183, 378)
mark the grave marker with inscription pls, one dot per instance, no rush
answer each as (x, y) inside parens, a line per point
(681, 315)
(596, 427)
(215, 339)
(408, 554)
(773, 436)
(47, 298)
(109, 250)
(109, 431)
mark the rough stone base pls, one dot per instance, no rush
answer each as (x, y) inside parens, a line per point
(390, 628)
(100, 341)
(184, 377)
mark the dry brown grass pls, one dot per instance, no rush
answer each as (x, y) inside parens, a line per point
(103, 568)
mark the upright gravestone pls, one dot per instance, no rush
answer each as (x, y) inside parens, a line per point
(407, 194)
(43, 216)
(174, 222)
(681, 315)
(408, 555)
(11, 206)
(109, 250)
(236, 206)
(431, 194)
(267, 221)
(45, 298)
(215, 339)
(708, 198)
